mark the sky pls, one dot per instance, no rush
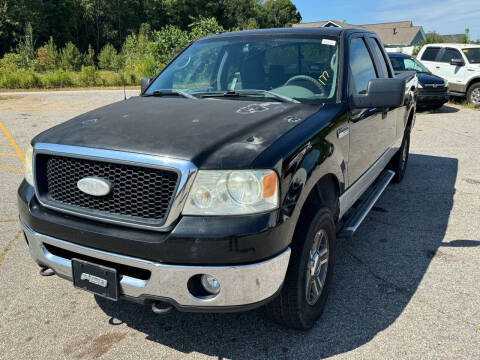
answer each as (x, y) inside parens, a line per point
(443, 16)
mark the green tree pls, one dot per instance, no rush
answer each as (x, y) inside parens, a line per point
(240, 14)
(167, 42)
(99, 22)
(47, 57)
(90, 57)
(181, 13)
(94, 11)
(279, 13)
(70, 57)
(204, 27)
(108, 58)
(52, 56)
(26, 47)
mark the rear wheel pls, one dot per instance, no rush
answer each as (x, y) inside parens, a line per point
(309, 275)
(400, 160)
(473, 94)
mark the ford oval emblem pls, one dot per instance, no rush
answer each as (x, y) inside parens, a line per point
(94, 186)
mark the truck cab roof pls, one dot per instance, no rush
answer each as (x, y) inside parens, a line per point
(453, 45)
(307, 31)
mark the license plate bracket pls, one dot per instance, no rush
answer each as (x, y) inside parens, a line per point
(97, 279)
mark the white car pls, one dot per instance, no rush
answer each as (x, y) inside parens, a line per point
(459, 64)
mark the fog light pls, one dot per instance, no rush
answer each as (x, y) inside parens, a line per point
(210, 284)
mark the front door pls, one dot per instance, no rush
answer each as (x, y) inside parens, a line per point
(455, 75)
(367, 130)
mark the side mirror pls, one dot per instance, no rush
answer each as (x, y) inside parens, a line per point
(144, 84)
(457, 62)
(381, 93)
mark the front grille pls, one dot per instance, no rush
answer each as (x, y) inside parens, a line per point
(138, 194)
(431, 89)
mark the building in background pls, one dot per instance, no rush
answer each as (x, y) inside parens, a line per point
(400, 36)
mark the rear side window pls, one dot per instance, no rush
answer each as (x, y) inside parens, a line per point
(430, 53)
(450, 54)
(361, 65)
(379, 55)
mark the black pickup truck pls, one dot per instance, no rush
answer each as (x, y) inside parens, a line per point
(224, 185)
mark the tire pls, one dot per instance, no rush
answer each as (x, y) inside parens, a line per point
(400, 159)
(293, 308)
(473, 94)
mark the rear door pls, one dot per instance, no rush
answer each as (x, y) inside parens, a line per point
(389, 116)
(367, 135)
(429, 58)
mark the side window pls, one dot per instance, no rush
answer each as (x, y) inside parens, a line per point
(430, 53)
(361, 65)
(450, 54)
(379, 55)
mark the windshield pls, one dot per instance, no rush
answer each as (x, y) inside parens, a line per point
(303, 69)
(473, 55)
(407, 64)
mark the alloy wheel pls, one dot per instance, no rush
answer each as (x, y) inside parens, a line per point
(475, 96)
(317, 267)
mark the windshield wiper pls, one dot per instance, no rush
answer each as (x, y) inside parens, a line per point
(221, 94)
(170, 92)
(272, 94)
(251, 93)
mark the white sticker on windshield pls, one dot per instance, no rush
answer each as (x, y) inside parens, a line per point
(328, 42)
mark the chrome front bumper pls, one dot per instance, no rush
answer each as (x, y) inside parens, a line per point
(240, 284)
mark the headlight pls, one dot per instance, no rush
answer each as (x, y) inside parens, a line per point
(29, 165)
(232, 192)
(420, 86)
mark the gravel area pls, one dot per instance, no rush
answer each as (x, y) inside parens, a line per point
(407, 285)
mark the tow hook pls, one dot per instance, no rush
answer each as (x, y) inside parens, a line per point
(161, 308)
(46, 271)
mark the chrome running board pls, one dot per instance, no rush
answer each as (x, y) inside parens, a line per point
(366, 204)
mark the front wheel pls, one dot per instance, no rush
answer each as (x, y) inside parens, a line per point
(473, 95)
(309, 275)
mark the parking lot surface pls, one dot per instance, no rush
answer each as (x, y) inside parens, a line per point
(407, 285)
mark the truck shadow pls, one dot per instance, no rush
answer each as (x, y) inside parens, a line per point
(376, 276)
(445, 109)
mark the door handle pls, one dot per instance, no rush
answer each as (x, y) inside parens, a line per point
(438, 67)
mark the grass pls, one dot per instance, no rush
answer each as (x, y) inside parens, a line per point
(127, 87)
(463, 103)
(59, 79)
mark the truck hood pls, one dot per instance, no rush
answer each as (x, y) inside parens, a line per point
(212, 133)
(424, 78)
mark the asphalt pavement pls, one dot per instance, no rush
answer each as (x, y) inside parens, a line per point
(407, 285)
